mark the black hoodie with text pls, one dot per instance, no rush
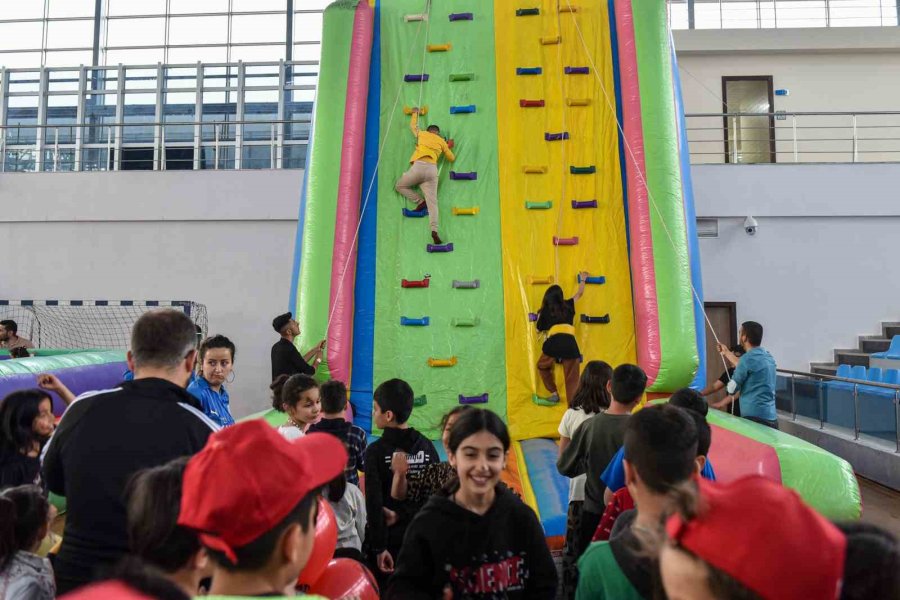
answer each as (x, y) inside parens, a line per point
(501, 554)
(420, 452)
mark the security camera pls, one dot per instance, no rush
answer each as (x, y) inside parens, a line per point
(750, 226)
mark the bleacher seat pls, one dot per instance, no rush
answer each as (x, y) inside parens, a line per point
(893, 352)
(891, 376)
(843, 371)
(858, 372)
(874, 374)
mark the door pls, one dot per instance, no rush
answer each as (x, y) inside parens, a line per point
(723, 316)
(749, 139)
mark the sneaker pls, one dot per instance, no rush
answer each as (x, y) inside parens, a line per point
(554, 398)
(436, 238)
(422, 207)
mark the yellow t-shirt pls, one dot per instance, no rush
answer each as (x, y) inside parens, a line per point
(429, 146)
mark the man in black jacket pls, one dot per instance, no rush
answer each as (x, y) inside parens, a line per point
(107, 436)
(286, 359)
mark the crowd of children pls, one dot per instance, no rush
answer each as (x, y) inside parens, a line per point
(241, 514)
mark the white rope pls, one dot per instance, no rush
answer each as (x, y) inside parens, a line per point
(641, 178)
(365, 203)
(562, 99)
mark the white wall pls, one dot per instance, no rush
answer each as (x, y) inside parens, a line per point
(822, 268)
(837, 69)
(224, 239)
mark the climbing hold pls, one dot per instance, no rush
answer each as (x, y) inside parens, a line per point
(471, 211)
(597, 279)
(529, 70)
(482, 399)
(527, 12)
(416, 283)
(423, 110)
(439, 47)
(578, 101)
(459, 110)
(568, 9)
(589, 319)
(467, 285)
(416, 77)
(558, 241)
(555, 137)
(550, 40)
(462, 76)
(539, 205)
(534, 169)
(415, 18)
(531, 103)
(460, 322)
(577, 70)
(535, 280)
(409, 322)
(442, 362)
(461, 16)
(415, 214)
(584, 204)
(582, 170)
(532, 317)
(544, 401)
(420, 400)
(440, 247)
(463, 176)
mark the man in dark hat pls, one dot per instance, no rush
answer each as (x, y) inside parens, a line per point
(286, 359)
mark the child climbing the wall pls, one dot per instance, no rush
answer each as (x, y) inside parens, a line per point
(556, 320)
(423, 172)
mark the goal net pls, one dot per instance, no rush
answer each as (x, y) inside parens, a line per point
(88, 324)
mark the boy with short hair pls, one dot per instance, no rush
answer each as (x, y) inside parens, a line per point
(393, 405)
(597, 440)
(333, 395)
(252, 496)
(660, 452)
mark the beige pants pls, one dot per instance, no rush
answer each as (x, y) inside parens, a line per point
(423, 175)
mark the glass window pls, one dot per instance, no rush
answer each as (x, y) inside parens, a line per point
(99, 112)
(143, 56)
(130, 7)
(62, 81)
(293, 156)
(181, 78)
(260, 5)
(21, 36)
(23, 9)
(261, 75)
(258, 28)
(136, 32)
(25, 81)
(179, 107)
(20, 60)
(94, 159)
(139, 108)
(257, 53)
(314, 5)
(211, 54)
(140, 79)
(800, 13)
(198, 30)
(707, 15)
(103, 79)
(70, 34)
(307, 27)
(257, 157)
(62, 110)
(71, 8)
(193, 7)
(260, 106)
(21, 116)
(208, 157)
(67, 58)
(678, 14)
(739, 15)
(19, 160)
(307, 52)
(62, 159)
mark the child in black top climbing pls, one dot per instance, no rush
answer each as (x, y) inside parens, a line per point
(475, 538)
(556, 320)
(423, 172)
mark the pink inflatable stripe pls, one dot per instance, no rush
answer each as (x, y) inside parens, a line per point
(343, 266)
(643, 274)
(734, 456)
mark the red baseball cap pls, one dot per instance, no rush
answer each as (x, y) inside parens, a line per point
(248, 478)
(765, 537)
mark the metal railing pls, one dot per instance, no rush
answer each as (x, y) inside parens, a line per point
(155, 145)
(772, 14)
(794, 137)
(856, 383)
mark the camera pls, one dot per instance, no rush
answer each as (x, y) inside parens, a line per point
(750, 226)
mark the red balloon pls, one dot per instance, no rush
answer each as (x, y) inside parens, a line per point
(323, 546)
(345, 577)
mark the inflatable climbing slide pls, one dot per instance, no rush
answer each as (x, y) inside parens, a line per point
(570, 158)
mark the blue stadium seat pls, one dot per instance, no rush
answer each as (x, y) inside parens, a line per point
(858, 372)
(843, 371)
(874, 374)
(893, 352)
(891, 376)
